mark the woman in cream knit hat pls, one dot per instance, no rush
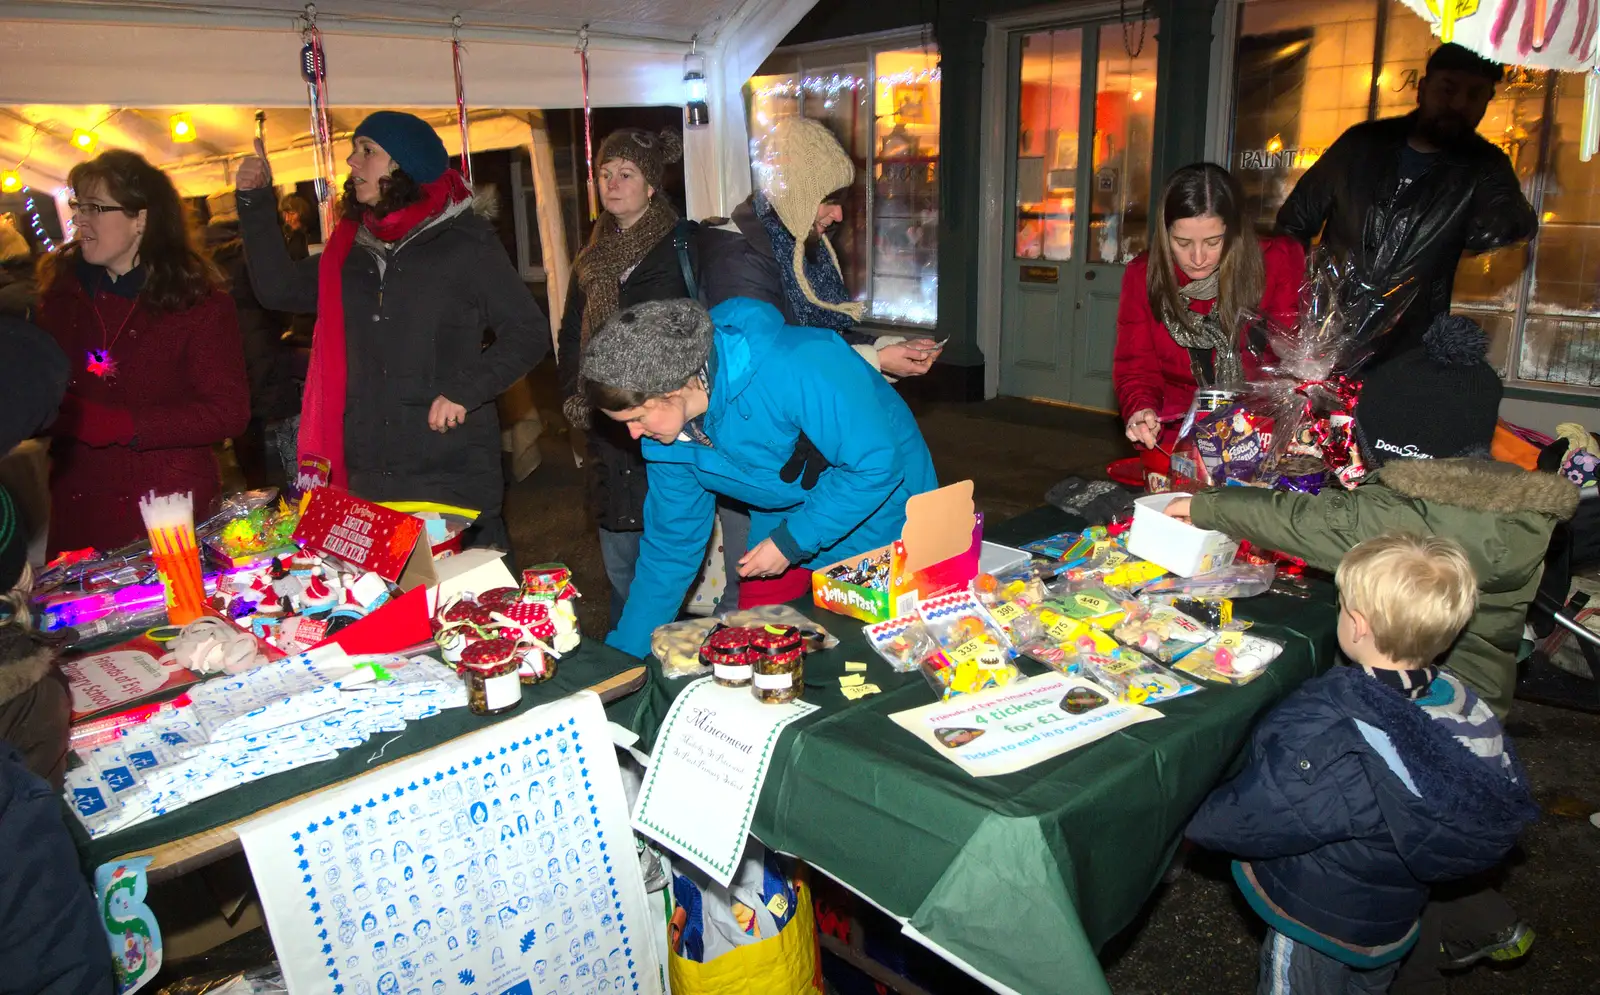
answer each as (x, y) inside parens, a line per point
(783, 256)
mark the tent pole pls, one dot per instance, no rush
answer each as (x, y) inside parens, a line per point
(552, 231)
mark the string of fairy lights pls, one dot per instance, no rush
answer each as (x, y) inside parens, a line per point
(85, 140)
(835, 85)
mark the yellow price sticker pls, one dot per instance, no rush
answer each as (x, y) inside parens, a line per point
(968, 652)
(1115, 558)
(1007, 613)
(1097, 605)
(854, 667)
(778, 905)
(1064, 630)
(1231, 638)
(852, 680)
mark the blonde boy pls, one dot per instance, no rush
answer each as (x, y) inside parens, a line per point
(1371, 782)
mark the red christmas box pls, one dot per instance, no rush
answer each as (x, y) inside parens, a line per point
(368, 536)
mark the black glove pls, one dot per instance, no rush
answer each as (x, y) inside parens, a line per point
(807, 464)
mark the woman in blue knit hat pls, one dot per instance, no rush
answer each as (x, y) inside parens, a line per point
(400, 395)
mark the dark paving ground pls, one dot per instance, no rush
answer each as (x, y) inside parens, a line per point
(1195, 937)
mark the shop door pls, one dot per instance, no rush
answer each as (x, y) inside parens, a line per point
(1082, 116)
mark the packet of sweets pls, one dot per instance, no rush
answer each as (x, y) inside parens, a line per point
(1231, 657)
(1088, 601)
(974, 648)
(1161, 631)
(1136, 678)
(1061, 546)
(904, 642)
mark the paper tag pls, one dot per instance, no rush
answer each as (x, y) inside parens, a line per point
(1097, 605)
(498, 692)
(731, 671)
(774, 682)
(1006, 613)
(970, 650)
(778, 905)
(1063, 630)
(852, 681)
(855, 693)
(1115, 558)
(854, 667)
(1231, 639)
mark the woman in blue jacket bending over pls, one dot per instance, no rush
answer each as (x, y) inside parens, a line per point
(733, 403)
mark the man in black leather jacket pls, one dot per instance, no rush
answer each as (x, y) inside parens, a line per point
(1401, 199)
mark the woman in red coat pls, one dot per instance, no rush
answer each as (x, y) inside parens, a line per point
(157, 364)
(1186, 303)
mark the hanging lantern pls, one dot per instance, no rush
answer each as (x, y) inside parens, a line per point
(182, 128)
(84, 141)
(696, 114)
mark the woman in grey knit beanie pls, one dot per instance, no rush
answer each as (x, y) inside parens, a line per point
(722, 402)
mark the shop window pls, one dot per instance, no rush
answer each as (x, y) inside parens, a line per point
(882, 103)
(1305, 74)
(1124, 138)
(1047, 143)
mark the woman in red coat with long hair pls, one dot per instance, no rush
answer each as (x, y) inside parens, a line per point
(1187, 303)
(158, 373)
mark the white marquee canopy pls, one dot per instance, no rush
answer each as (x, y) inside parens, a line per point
(126, 65)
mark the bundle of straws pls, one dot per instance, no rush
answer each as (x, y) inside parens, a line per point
(170, 521)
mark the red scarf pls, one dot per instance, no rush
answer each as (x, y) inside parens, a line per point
(322, 410)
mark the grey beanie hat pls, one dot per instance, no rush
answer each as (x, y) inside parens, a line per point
(653, 348)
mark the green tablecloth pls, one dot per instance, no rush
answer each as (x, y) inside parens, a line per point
(1023, 876)
(591, 663)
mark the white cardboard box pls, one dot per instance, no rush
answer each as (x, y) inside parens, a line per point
(1174, 545)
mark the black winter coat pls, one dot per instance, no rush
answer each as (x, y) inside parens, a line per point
(415, 315)
(1468, 200)
(616, 474)
(53, 941)
(1335, 835)
(268, 360)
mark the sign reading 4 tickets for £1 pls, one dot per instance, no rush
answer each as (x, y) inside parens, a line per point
(500, 862)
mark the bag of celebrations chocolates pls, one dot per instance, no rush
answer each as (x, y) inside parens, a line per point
(1232, 443)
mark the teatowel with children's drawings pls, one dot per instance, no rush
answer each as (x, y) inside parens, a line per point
(1003, 730)
(706, 771)
(500, 862)
(238, 728)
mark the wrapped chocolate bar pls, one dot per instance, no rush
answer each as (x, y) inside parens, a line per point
(1301, 474)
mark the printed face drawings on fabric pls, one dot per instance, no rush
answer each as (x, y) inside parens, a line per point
(470, 873)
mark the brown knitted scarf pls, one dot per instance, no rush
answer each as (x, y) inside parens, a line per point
(613, 251)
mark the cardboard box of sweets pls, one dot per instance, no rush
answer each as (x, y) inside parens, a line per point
(937, 552)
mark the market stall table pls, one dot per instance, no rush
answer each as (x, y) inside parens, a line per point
(1022, 876)
(203, 832)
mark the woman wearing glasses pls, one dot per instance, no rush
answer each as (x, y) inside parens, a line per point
(153, 342)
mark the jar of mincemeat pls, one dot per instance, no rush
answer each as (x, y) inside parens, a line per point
(777, 657)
